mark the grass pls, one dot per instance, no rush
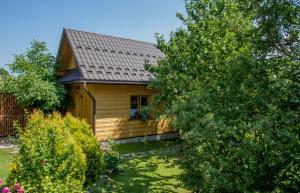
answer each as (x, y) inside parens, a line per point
(149, 174)
(145, 146)
(6, 157)
(156, 173)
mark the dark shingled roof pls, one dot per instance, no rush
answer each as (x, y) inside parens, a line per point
(71, 76)
(110, 59)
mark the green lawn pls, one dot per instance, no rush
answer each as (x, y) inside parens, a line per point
(145, 146)
(156, 173)
(149, 174)
(6, 157)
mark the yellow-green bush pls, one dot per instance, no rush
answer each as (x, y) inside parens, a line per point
(83, 134)
(50, 158)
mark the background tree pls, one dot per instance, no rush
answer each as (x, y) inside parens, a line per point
(35, 85)
(230, 81)
(3, 72)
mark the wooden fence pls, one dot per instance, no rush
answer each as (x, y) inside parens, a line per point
(10, 112)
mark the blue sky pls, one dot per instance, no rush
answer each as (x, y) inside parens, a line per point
(22, 21)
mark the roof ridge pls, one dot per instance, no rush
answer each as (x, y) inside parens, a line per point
(116, 37)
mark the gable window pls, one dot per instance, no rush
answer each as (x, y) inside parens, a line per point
(136, 104)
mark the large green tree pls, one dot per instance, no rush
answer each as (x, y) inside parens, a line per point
(34, 84)
(231, 83)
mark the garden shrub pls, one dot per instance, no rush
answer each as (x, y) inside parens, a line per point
(145, 113)
(112, 161)
(112, 158)
(84, 136)
(49, 159)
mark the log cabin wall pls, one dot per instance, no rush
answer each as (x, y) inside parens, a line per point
(81, 105)
(113, 112)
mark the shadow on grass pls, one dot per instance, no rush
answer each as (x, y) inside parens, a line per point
(156, 173)
(145, 146)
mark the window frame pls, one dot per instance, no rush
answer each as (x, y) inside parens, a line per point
(139, 105)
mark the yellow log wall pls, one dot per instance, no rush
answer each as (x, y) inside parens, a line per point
(113, 112)
(82, 104)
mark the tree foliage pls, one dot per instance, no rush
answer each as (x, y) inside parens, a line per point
(34, 84)
(231, 82)
(3, 72)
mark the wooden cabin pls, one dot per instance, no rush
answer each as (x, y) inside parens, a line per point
(107, 82)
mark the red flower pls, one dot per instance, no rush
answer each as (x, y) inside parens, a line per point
(21, 190)
(17, 186)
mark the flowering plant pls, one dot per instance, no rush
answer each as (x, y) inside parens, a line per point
(17, 188)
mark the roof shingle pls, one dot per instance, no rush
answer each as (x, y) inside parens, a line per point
(104, 58)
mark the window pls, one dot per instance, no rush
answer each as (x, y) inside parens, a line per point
(136, 104)
(144, 101)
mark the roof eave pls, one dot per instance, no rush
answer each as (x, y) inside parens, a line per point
(107, 82)
(65, 34)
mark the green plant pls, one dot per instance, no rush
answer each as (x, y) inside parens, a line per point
(112, 158)
(3, 72)
(49, 159)
(145, 113)
(84, 136)
(34, 84)
(112, 161)
(16, 188)
(101, 185)
(230, 81)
